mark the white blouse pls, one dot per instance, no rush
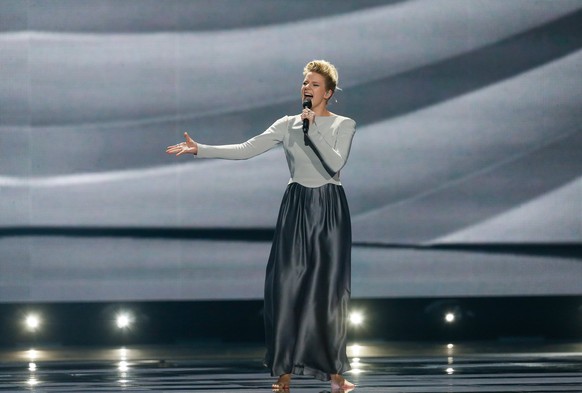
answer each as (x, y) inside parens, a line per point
(313, 161)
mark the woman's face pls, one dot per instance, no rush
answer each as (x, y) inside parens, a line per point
(314, 88)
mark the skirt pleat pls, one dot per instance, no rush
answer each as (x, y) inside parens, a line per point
(307, 284)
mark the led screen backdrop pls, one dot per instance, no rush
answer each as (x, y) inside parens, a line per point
(465, 176)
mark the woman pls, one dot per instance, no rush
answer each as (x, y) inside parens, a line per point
(307, 285)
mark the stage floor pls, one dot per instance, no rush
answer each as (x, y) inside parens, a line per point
(534, 366)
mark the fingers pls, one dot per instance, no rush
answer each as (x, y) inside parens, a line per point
(307, 114)
(177, 149)
(188, 139)
(173, 149)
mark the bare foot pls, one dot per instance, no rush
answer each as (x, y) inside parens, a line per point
(283, 383)
(340, 383)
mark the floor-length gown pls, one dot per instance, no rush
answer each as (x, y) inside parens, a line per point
(307, 287)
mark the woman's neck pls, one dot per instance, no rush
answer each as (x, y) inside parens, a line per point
(321, 111)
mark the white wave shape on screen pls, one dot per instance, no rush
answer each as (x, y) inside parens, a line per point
(394, 164)
(133, 74)
(553, 217)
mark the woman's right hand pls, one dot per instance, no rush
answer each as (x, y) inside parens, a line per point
(190, 146)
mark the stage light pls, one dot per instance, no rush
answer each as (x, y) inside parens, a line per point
(356, 318)
(450, 370)
(32, 366)
(123, 321)
(448, 312)
(32, 322)
(450, 346)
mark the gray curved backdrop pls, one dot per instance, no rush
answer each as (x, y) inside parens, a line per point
(465, 177)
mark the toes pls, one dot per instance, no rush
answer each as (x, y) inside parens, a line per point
(279, 387)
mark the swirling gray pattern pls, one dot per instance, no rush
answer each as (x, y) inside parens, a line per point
(469, 135)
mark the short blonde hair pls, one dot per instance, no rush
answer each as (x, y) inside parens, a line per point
(327, 70)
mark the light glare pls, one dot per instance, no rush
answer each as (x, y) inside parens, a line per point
(355, 350)
(450, 317)
(123, 321)
(32, 354)
(356, 318)
(123, 366)
(32, 322)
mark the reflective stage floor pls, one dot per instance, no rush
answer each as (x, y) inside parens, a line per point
(535, 366)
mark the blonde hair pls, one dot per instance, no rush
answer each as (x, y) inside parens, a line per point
(327, 70)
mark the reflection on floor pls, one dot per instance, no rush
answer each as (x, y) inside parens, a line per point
(219, 367)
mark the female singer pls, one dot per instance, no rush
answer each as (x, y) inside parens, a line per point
(307, 285)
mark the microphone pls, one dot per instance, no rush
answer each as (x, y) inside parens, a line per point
(306, 104)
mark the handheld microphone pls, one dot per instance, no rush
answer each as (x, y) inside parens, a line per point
(306, 104)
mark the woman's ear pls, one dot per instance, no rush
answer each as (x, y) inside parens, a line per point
(328, 94)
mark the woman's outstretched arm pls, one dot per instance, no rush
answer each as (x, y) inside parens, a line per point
(241, 151)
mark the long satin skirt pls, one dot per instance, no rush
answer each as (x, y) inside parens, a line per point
(307, 285)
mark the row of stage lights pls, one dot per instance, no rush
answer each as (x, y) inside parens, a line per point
(125, 320)
(33, 322)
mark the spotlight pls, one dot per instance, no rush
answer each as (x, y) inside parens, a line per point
(32, 322)
(447, 312)
(123, 321)
(356, 318)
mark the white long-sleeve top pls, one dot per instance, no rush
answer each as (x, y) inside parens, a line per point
(313, 161)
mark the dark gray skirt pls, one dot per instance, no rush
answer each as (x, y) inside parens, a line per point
(307, 285)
